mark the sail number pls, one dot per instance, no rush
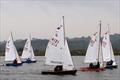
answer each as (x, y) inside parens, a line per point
(54, 42)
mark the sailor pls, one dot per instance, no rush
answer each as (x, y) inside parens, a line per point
(94, 66)
(58, 68)
(110, 62)
(28, 59)
(91, 65)
(15, 61)
(97, 66)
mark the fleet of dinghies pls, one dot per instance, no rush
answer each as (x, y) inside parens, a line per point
(94, 56)
(99, 54)
(11, 55)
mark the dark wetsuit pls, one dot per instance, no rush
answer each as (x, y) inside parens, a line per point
(109, 63)
(28, 59)
(91, 65)
(94, 66)
(15, 61)
(58, 68)
(98, 65)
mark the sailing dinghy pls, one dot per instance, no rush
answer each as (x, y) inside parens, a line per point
(28, 53)
(94, 54)
(108, 55)
(11, 55)
(58, 54)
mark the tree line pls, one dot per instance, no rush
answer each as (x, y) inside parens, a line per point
(78, 46)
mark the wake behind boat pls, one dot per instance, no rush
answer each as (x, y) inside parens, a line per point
(28, 53)
(11, 55)
(58, 54)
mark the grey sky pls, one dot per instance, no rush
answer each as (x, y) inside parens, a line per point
(41, 17)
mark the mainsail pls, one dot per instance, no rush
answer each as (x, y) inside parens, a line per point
(10, 52)
(55, 48)
(28, 50)
(57, 52)
(107, 48)
(68, 63)
(92, 51)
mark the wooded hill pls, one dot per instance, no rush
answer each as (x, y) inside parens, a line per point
(78, 46)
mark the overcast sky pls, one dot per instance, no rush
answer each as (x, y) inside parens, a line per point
(41, 17)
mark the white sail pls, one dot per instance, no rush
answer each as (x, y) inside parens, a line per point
(99, 51)
(10, 52)
(92, 51)
(28, 50)
(112, 53)
(107, 48)
(55, 48)
(67, 62)
(32, 54)
(57, 52)
(17, 56)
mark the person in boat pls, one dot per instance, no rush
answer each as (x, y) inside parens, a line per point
(15, 61)
(91, 65)
(94, 66)
(58, 68)
(28, 59)
(109, 63)
(98, 65)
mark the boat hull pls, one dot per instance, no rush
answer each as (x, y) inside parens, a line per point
(29, 61)
(85, 69)
(12, 64)
(66, 72)
(112, 67)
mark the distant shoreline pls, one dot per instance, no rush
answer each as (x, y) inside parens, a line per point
(73, 53)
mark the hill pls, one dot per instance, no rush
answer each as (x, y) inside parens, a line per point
(78, 46)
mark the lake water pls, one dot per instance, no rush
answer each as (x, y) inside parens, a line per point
(33, 72)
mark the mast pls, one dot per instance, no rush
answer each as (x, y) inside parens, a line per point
(63, 29)
(99, 47)
(11, 36)
(30, 37)
(65, 42)
(109, 42)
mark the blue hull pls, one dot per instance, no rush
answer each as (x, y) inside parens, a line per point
(12, 64)
(29, 61)
(111, 67)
